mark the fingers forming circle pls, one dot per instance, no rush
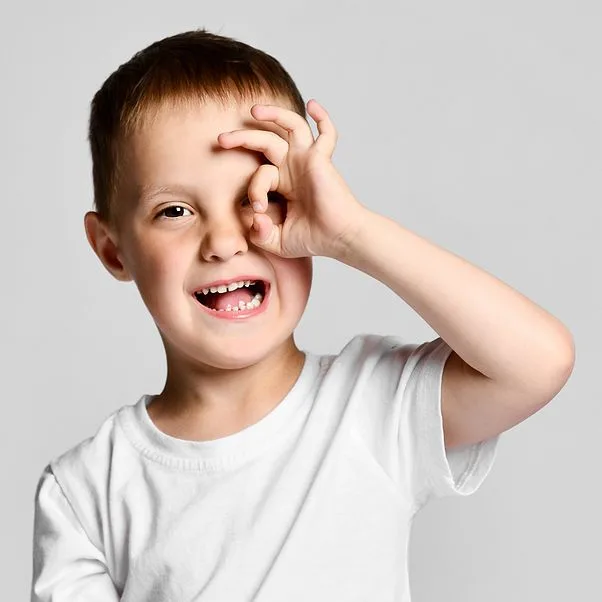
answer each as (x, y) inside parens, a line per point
(264, 180)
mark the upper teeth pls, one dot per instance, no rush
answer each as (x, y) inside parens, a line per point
(230, 287)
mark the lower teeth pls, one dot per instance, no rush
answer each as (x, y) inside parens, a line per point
(242, 306)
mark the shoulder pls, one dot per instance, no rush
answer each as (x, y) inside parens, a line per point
(87, 471)
(364, 347)
(388, 381)
(387, 356)
(90, 454)
(370, 373)
(77, 478)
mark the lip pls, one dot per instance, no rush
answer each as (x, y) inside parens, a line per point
(198, 289)
(238, 315)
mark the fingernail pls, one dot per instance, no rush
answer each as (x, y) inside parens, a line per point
(256, 206)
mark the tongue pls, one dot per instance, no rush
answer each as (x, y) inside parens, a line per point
(222, 300)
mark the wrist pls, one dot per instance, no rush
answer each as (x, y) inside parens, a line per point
(346, 244)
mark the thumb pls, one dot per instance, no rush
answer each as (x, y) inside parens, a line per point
(265, 234)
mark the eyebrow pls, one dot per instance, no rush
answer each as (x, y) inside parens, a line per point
(146, 194)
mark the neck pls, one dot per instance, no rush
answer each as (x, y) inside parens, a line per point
(214, 403)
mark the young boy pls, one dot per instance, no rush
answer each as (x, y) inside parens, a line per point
(262, 471)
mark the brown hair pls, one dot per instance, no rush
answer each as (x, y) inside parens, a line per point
(186, 68)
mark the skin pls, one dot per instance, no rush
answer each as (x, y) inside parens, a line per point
(222, 375)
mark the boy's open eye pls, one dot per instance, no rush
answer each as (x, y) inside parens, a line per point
(170, 207)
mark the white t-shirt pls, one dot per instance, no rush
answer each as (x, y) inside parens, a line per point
(312, 502)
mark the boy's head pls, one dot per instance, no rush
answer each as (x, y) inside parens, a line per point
(171, 211)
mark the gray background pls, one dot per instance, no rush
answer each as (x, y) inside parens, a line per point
(475, 124)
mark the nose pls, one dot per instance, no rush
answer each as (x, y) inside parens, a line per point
(223, 238)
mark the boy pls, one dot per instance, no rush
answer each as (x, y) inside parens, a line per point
(261, 471)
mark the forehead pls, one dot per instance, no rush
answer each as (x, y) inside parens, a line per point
(179, 145)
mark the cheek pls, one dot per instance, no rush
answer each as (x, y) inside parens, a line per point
(295, 275)
(158, 272)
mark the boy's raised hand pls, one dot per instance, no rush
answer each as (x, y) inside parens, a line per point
(322, 212)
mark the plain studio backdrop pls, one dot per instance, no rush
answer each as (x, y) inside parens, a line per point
(475, 124)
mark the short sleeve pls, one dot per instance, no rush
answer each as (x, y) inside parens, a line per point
(66, 565)
(431, 471)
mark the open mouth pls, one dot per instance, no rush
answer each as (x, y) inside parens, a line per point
(243, 298)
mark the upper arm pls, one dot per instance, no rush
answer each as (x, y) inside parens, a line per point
(66, 564)
(475, 408)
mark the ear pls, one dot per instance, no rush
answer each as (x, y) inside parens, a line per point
(101, 239)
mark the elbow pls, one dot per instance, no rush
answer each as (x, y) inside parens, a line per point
(561, 364)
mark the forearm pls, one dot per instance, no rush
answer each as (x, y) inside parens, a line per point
(491, 326)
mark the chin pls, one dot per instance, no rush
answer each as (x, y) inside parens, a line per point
(237, 356)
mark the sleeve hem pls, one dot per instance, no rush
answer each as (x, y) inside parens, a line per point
(457, 471)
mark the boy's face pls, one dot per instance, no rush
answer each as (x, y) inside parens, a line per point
(203, 237)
